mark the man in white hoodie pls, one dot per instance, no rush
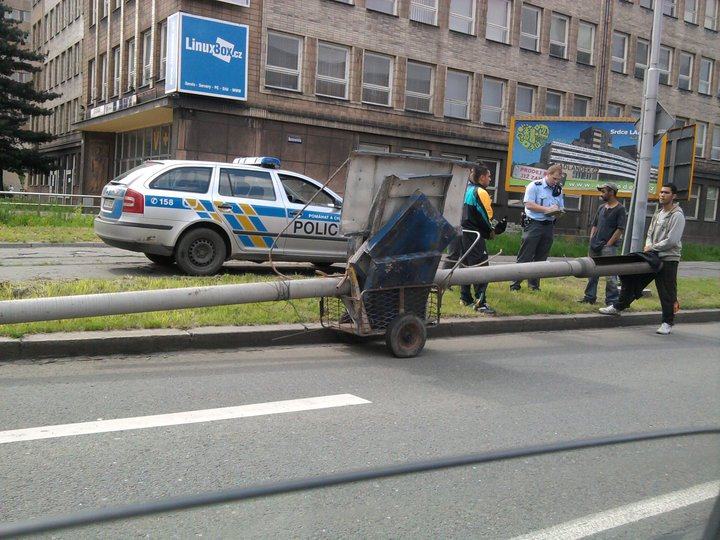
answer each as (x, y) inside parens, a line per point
(664, 238)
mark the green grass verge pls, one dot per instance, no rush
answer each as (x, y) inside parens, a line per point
(558, 296)
(46, 224)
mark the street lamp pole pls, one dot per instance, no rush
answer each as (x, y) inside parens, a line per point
(647, 136)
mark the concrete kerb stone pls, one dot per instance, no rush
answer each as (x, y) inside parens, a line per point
(38, 347)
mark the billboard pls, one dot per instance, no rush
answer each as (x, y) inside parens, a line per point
(592, 151)
(206, 56)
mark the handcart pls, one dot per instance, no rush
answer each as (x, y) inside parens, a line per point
(400, 213)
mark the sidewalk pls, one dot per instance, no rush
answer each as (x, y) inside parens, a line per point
(68, 345)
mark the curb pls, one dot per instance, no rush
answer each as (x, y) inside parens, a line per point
(20, 245)
(40, 346)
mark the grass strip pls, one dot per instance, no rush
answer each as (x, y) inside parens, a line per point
(558, 296)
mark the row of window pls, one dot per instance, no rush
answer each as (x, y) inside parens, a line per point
(56, 20)
(283, 70)
(691, 206)
(62, 68)
(686, 63)
(58, 123)
(19, 15)
(99, 9)
(62, 176)
(691, 13)
(127, 55)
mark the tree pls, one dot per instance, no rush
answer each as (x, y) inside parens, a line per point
(19, 101)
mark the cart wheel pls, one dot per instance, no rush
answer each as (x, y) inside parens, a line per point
(405, 336)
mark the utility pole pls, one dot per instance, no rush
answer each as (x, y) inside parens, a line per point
(647, 140)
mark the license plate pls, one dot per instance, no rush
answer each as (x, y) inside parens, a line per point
(107, 204)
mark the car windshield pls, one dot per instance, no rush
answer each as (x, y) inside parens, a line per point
(143, 170)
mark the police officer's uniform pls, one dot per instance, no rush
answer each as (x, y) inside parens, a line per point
(537, 236)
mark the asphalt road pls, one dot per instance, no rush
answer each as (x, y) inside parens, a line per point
(461, 396)
(99, 261)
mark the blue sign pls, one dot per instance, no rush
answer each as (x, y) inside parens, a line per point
(210, 57)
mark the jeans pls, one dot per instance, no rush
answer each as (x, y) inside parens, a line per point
(611, 282)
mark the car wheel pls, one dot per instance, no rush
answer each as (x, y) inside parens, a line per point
(405, 336)
(200, 252)
(161, 260)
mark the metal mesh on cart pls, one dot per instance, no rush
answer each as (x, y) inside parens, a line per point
(377, 308)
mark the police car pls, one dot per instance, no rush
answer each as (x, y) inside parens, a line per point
(199, 214)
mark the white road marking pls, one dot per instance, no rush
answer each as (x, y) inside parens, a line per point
(174, 419)
(622, 515)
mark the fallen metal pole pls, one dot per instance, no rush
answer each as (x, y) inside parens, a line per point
(95, 305)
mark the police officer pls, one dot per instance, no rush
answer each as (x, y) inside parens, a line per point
(543, 199)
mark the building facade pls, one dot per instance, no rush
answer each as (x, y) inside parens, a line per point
(430, 77)
(57, 32)
(19, 12)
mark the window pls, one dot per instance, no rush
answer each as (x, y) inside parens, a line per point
(300, 191)
(681, 121)
(670, 7)
(711, 14)
(384, 6)
(553, 103)
(457, 93)
(685, 74)
(715, 149)
(690, 207)
(580, 106)
(131, 81)
(525, 101)
(700, 135)
(147, 57)
(691, 11)
(586, 43)
(103, 77)
(92, 83)
(615, 109)
(462, 16)
(498, 21)
(134, 147)
(641, 58)
(706, 71)
(492, 107)
(424, 11)
(418, 87)
(377, 79)
(247, 184)
(163, 50)
(456, 157)
(91, 14)
(415, 152)
(558, 35)
(332, 71)
(665, 64)
(372, 147)
(116, 71)
(619, 52)
(572, 203)
(530, 28)
(104, 7)
(190, 179)
(284, 61)
(711, 203)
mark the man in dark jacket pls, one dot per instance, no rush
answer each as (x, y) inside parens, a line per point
(477, 216)
(605, 236)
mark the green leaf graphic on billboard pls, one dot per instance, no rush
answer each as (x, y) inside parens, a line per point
(533, 137)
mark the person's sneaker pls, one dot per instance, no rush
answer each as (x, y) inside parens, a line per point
(609, 310)
(664, 329)
(515, 289)
(484, 308)
(535, 289)
(586, 301)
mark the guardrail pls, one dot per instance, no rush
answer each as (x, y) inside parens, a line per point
(87, 203)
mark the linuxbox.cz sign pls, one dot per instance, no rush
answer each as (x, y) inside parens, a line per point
(592, 151)
(206, 56)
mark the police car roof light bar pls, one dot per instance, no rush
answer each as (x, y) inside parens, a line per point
(266, 162)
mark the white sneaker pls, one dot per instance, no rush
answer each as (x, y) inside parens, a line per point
(609, 310)
(664, 329)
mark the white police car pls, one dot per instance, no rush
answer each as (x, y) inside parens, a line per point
(200, 214)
